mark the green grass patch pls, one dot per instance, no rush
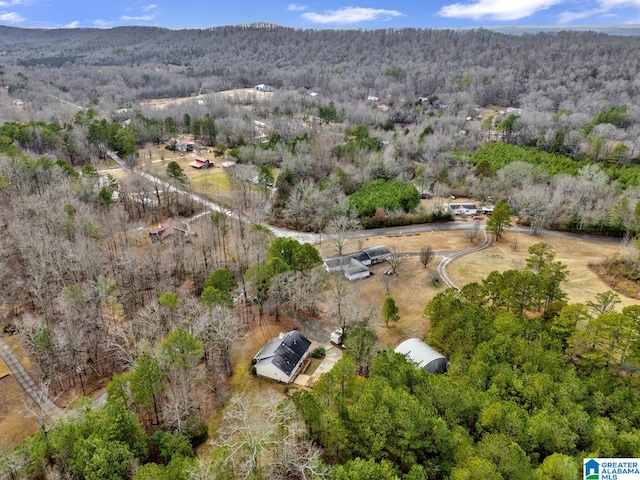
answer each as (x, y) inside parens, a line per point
(213, 184)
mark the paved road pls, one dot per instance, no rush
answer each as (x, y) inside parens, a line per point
(446, 258)
(315, 238)
(27, 383)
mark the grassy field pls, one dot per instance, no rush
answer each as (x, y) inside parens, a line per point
(413, 287)
(245, 96)
(212, 182)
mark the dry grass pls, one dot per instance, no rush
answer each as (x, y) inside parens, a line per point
(413, 287)
(583, 284)
(241, 95)
(4, 371)
(15, 425)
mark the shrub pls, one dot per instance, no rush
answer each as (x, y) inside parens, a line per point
(319, 352)
(196, 431)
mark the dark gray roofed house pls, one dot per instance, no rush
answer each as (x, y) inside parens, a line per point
(377, 254)
(361, 257)
(356, 265)
(281, 358)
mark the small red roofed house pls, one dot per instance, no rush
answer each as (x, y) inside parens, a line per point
(202, 163)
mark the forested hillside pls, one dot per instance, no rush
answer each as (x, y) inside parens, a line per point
(143, 242)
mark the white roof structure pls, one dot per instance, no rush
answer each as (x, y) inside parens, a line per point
(423, 355)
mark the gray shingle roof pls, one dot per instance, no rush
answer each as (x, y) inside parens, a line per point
(284, 351)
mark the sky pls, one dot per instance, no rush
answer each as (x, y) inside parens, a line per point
(360, 14)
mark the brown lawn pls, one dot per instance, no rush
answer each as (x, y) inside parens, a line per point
(413, 288)
(15, 423)
(242, 95)
(512, 250)
(4, 371)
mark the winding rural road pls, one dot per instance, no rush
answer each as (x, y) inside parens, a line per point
(315, 238)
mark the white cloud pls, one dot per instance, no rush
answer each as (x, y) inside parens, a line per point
(11, 3)
(150, 7)
(296, 8)
(604, 11)
(352, 15)
(497, 9)
(609, 4)
(74, 24)
(101, 23)
(11, 17)
(140, 18)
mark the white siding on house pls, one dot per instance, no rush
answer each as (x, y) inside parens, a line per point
(269, 370)
(462, 208)
(357, 272)
(281, 358)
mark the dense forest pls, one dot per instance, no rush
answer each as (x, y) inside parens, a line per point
(361, 126)
(350, 107)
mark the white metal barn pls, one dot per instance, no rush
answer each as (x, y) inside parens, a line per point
(423, 355)
(281, 358)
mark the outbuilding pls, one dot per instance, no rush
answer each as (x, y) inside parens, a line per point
(264, 88)
(423, 355)
(201, 163)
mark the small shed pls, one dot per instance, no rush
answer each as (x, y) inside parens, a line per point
(281, 358)
(200, 163)
(423, 355)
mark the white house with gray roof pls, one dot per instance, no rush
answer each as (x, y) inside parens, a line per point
(356, 265)
(281, 358)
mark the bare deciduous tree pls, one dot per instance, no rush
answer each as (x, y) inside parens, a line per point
(472, 234)
(397, 257)
(219, 329)
(339, 229)
(426, 255)
(267, 437)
